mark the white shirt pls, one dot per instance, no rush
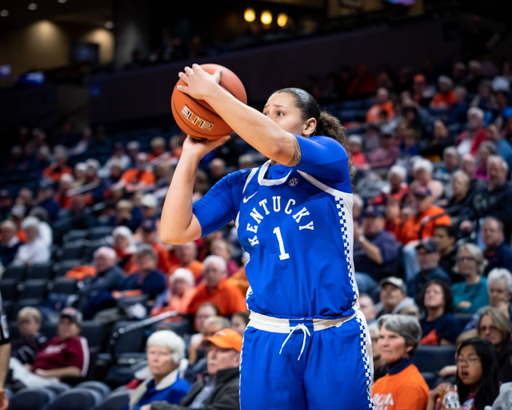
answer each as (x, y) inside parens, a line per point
(45, 233)
(35, 252)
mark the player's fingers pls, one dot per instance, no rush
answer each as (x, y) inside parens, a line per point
(182, 88)
(196, 66)
(188, 70)
(183, 77)
(217, 75)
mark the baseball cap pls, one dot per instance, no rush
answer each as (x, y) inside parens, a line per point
(226, 339)
(373, 212)
(422, 191)
(149, 200)
(429, 245)
(398, 282)
(73, 314)
(148, 226)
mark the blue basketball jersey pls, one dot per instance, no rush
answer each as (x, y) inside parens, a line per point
(296, 225)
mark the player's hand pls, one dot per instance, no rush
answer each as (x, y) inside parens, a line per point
(200, 84)
(201, 148)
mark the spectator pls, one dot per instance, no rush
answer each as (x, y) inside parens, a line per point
(140, 177)
(476, 380)
(383, 103)
(204, 312)
(178, 294)
(83, 145)
(66, 354)
(499, 287)
(439, 326)
(119, 158)
(165, 350)
(355, 145)
(78, 215)
(79, 174)
(239, 322)
(502, 113)
(433, 148)
(425, 219)
(9, 243)
(503, 147)
(150, 237)
(491, 200)
(158, 151)
(428, 262)
(393, 297)
(469, 141)
(45, 199)
(133, 148)
(474, 77)
(149, 207)
(459, 111)
(375, 251)
(26, 198)
(484, 99)
(468, 166)
(396, 188)
(124, 245)
(216, 289)
(461, 197)
(494, 326)
(127, 215)
(148, 279)
(45, 231)
(403, 385)
(470, 295)
(445, 98)
(217, 168)
(222, 248)
(31, 340)
(95, 185)
(486, 149)
(58, 167)
(35, 249)
(422, 172)
(422, 93)
(219, 388)
(497, 254)
(187, 258)
(62, 198)
(386, 155)
(379, 364)
(445, 237)
(5, 204)
(367, 306)
(459, 73)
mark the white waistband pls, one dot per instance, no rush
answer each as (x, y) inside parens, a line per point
(276, 325)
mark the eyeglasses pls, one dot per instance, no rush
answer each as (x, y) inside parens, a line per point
(465, 258)
(483, 329)
(471, 360)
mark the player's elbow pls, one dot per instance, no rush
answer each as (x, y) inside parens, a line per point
(171, 239)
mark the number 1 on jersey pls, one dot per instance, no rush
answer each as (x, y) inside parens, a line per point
(283, 255)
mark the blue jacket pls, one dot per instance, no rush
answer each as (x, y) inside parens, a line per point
(501, 257)
(152, 284)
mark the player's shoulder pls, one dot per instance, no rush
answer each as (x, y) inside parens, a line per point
(330, 143)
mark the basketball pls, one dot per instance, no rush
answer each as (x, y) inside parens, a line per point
(196, 117)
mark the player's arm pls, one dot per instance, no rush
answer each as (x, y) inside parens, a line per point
(178, 223)
(259, 131)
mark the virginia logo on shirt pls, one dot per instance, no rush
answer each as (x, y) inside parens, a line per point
(383, 401)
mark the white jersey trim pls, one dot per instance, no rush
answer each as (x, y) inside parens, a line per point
(251, 174)
(270, 182)
(320, 185)
(85, 350)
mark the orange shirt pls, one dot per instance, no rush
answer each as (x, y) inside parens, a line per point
(174, 303)
(195, 267)
(164, 258)
(53, 174)
(133, 176)
(227, 296)
(406, 390)
(443, 100)
(373, 113)
(240, 279)
(410, 231)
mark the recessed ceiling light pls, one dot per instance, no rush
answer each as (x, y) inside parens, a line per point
(62, 1)
(32, 6)
(4, 13)
(109, 25)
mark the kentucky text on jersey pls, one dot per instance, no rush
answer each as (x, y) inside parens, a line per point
(296, 224)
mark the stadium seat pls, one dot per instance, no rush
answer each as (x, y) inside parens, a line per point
(15, 272)
(8, 289)
(14, 331)
(75, 235)
(100, 232)
(82, 399)
(72, 250)
(115, 401)
(64, 266)
(100, 387)
(430, 378)
(464, 318)
(64, 285)
(39, 271)
(433, 358)
(129, 342)
(8, 309)
(93, 332)
(35, 398)
(33, 289)
(58, 388)
(91, 248)
(34, 302)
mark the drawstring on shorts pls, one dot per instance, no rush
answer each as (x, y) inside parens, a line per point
(305, 332)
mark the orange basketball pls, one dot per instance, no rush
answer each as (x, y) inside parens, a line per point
(196, 117)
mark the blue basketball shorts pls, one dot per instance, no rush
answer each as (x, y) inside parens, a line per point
(306, 364)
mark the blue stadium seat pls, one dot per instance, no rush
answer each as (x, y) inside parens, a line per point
(64, 285)
(100, 232)
(430, 378)
(58, 388)
(100, 387)
(115, 401)
(129, 342)
(64, 266)
(35, 398)
(433, 358)
(34, 302)
(82, 399)
(33, 289)
(352, 105)
(464, 318)
(8, 289)
(39, 271)
(75, 235)
(15, 272)
(93, 332)
(72, 250)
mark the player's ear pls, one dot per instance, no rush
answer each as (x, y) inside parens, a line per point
(309, 127)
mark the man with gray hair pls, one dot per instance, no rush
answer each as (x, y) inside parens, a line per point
(469, 141)
(494, 199)
(498, 255)
(393, 297)
(445, 98)
(35, 249)
(217, 289)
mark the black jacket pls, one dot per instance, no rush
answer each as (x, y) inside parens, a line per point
(225, 395)
(505, 362)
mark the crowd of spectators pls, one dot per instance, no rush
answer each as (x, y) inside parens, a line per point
(432, 232)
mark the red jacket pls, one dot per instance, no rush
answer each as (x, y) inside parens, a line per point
(475, 142)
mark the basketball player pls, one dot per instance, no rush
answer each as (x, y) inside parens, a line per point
(306, 345)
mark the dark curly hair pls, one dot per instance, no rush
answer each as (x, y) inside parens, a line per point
(447, 295)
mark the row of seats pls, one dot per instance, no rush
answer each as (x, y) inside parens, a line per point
(91, 395)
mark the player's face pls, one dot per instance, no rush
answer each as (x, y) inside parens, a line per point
(281, 109)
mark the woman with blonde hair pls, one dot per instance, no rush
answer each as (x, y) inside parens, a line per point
(470, 295)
